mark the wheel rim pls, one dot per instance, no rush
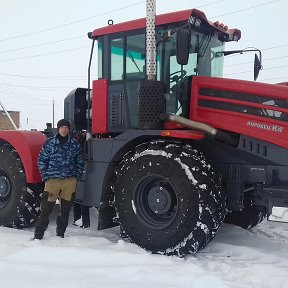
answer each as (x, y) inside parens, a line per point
(5, 189)
(155, 202)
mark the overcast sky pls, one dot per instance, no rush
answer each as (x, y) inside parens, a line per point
(44, 49)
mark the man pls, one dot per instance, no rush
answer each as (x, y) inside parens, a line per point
(61, 164)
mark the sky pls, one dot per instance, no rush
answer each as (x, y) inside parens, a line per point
(236, 258)
(44, 49)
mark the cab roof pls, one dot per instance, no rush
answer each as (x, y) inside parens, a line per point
(173, 17)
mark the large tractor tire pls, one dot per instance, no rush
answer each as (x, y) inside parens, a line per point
(168, 198)
(250, 216)
(19, 204)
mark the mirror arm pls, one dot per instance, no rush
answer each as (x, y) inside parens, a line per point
(226, 53)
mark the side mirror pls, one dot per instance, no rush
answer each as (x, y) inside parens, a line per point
(257, 67)
(182, 46)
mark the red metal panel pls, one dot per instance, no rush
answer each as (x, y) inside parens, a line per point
(283, 83)
(28, 145)
(100, 106)
(270, 130)
(239, 102)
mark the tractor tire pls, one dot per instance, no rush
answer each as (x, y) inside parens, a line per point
(250, 216)
(19, 204)
(168, 198)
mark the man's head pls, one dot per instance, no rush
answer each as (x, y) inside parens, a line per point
(63, 127)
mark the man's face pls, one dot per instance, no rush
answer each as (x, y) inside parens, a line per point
(63, 131)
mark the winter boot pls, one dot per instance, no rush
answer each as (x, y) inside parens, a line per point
(77, 212)
(43, 219)
(81, 215)
(63, 218)
(85, 216)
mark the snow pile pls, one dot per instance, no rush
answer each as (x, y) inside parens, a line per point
(90, 258)
(279, 214)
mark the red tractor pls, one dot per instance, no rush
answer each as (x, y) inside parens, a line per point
(168, 156)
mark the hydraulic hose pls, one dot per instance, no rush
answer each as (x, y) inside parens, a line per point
(199, 126)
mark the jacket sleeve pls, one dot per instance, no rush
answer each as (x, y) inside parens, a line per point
(79, 162)
(43, 161)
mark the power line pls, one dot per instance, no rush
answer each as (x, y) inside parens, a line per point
(72, 38)
(68, 50)
(208, 4)
(47, 77)
(270, 68)
(42, 44)
(67, 39)
(275, 78)
(18, 96)
(276, 67)
(279, 46)
(73, 22)
(248, 62)
(82, 20)
(35, 87)
(45, 54)
(245, 9)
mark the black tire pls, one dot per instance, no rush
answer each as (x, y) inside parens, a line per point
(168, 198)
(250, 216)
(19, 204)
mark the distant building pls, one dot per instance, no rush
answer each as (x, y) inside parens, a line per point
(5, 123)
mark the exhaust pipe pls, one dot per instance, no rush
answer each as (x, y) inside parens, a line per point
(199, 126)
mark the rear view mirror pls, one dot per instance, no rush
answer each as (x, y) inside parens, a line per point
(182, 46)
(257, 67)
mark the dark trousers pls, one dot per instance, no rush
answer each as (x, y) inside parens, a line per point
(43, 219)
(46, 209)
(82, 211)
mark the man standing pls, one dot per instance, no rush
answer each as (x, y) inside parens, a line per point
(61, 164)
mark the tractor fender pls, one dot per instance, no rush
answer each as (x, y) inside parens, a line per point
(27, 144)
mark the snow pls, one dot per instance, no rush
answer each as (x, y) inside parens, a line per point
(186, 168)
(151, 152)
(90, 258)
(279, 214)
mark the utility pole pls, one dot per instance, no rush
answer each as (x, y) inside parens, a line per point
(8, 115)
(53, 113)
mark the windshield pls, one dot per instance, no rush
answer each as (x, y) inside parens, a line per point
(177, 78)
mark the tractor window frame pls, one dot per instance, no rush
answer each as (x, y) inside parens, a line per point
(126, 63)
(117, 58)
(100, 54)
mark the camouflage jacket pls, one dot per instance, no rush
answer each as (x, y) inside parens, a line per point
(58, 160)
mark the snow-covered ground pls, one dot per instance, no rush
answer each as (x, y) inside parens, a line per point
(89, 258)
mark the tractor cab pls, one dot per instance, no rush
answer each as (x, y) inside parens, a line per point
(121, 61)
(187, 45)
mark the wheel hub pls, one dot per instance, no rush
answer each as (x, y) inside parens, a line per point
(159, 200)
(4, 186)
(155, 201)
